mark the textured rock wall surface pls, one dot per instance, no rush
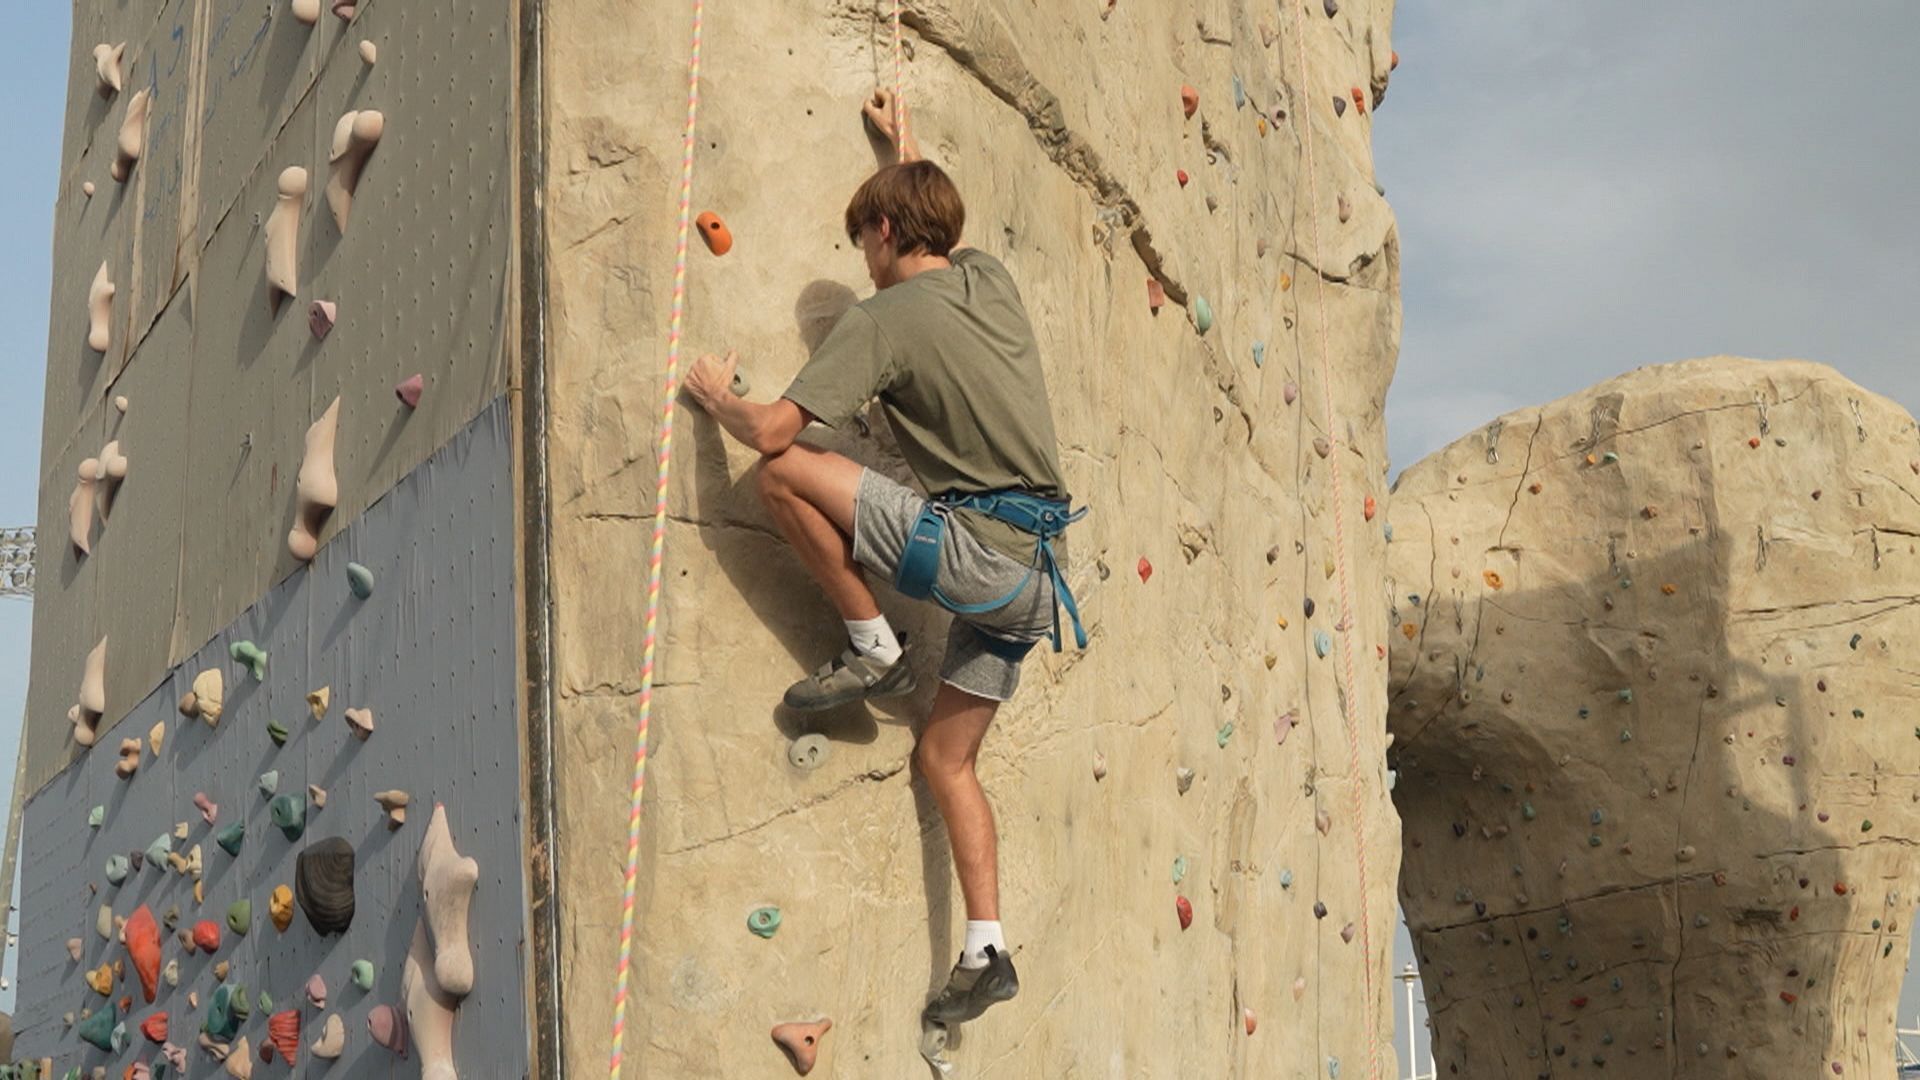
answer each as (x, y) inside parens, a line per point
(1063, 127)
(1654, 726)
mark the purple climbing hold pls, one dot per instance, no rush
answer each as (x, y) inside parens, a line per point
(1333, 8)
(1319, 909)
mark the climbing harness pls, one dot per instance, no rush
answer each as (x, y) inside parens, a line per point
(664, 461)
(1039, 517)
(1349, 692)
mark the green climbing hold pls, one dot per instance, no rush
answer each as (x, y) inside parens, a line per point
(1226, 732)
(117, 869)
(241, 1009)
(1593, 841)
(1859, 714)
(362, 974)
(277, 731)
(1625, 735)
(1597, 816)
(269, 782)
(231, 837)
(1322, 644)
(1202, 314)
(97, 816)
(360, 580)
(1609, 458)
(266, 1002)
(246, 652)
(1866, 826)
(764, 922)
(1526, 811)
(289, 813)
(1179, 868)
(1627, 694)
(1585, 712)
(1855, 643)
(98, 1028)
(161, 847)
(240, 916)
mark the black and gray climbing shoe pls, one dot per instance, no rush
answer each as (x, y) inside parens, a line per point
(970, 991)
(852, 676)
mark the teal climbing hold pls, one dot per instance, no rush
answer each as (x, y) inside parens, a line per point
(269, 782)
(764, 922)
(1179, 868)
(246, 652)
(98, 1028)
(1527, 811)
(1387, 531)
(1585, 712)
(1286, 879)
(1593, 841)
(98, 815)
(1202, 314)
(360, 580)
(1322, 644)
(277, 731)
(161, 847)
(1259, 353)
(289, 813)
(362, 974)
(1239, 93)
(231, 837)
(1597, 816)
(220, 1022)
(1333, 1068)
(240, 917)
(117, 869)
(1609, 458)
(1226, 732)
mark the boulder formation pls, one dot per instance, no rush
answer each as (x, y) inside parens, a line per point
(1651, 703)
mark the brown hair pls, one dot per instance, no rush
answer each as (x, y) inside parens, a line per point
(921, 202)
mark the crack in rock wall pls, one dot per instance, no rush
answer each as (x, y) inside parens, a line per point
(1651, 707)
(1063, 126)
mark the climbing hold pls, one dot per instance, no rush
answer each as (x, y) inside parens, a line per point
(395, 804)
(1493, 579)
(1322, 643)
(1189, 100)
(316, 991)
(1179, 868)
(1626, 695)
(283, 1034)
(74, 946)
(1182, 779)
(354, 138)
(1322, 821)
(359, 722)
(809, 751)
(1283, 726)
(1184, 909)
(719, 239)
(1346, 933)
(332, 1040)
(240, 917)
(143, 946)
(1156, 294)
(362, 974)
(1181, 176)
(280, 907)
(154, 1028)
(129, 758)
(246, 652)
(1866, 826)
(447, 883)
(206, 935)
(1332, 7)
(133, 137)
(283, 235)
(369, 53)
(321, 315)
(171, 973)
(1225, 733)
(96, 817)
(1339, 105)
(1286, 879)
(117, 869)
(240, 1061)
(323, 884)
(100, 311)
(1239, 93)
(101, 979)
(1319, 909)
(388, 1028)
(410, 389)
(1409, 630)
(1321, 446)
(801, 1041)
(1359, 100)
(289, 813)
(318, 700)
(1343, 209)
(1393, 62)
(231, 837)
(1202, 314)
(317, 487)
(97, 1029)
(1259, 353)
(1099, 766)
(1368, 508)
(277, 731)
(764, 921)
(207, 699)
(1146, 569)
(106, 67)
(1291, 393)
(268, 783)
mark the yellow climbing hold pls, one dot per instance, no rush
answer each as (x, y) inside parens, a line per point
(1281, 621)
(1286, 282)
(1669, 589)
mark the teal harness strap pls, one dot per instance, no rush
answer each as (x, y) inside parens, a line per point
(1040, 517)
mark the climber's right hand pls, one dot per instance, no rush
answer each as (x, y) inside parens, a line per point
(879, 112)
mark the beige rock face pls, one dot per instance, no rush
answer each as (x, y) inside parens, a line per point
(1063, 127)
(1652, 712)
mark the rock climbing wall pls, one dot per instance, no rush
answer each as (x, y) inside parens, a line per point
(422, 653)
(1651, 707)
(1210, 568)
(252, 364)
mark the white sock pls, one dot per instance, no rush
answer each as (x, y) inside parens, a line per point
(980, 934)
(874, 638)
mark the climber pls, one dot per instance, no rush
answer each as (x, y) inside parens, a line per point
(946, 346)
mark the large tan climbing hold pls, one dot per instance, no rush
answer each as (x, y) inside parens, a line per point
(332, 1040)
(129, 762)
(100, 311)
(429, 1010)
(360, 722)
(369, 53)
(307, 11)
(240, 1061)
(354, 138)
(133, 136)
(80, 508)
(317, 490)
(447, 881)
(106, 66)
(111, 465)
(92, 699)
(283, 233)
(208, 697)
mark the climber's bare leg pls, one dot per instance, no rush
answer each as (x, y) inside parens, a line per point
(945, 754)
(810, 494)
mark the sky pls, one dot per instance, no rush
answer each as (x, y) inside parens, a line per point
(1581, 189)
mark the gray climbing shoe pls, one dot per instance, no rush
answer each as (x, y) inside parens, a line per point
(970, 991)
(851, 677)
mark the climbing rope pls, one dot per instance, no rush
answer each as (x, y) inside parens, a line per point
(665, 460)
(1350, 699)
(899, 80)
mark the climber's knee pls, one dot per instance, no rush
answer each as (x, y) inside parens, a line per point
(820, 478)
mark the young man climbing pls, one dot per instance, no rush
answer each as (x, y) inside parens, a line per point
(946, 346)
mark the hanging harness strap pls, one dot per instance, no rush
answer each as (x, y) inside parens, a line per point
(1039, 517)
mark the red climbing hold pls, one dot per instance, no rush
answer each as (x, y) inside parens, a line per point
(206, 935)
(1839, 888)
(283, 1034)
(1754, 442)
(1185, 910)
(1189, 100)
(1789, 996)
(1794, 915)
(1393, 64)
(1369, 508)
(1156, 294)
(715, 232)
(1146, 569)
(1181, 175)
(1579, 1003)
(155, 1027)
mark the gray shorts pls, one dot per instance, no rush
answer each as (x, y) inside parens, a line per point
(970, 573)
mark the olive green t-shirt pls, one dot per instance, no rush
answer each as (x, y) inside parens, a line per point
(952, 358)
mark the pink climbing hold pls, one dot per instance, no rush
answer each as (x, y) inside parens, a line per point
(1291, 393)
(1189, 101)
(410, 390)
(389, 1028)
(1247, 1018)
(1184, 909)
(1146, 569)
(207, 807)
(1156, 294)
(320, 317)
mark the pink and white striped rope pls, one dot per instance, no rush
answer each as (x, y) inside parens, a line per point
(899, 79)
(665, 461)
(1335, 432)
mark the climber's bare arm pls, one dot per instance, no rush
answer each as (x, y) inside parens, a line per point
(768, 429)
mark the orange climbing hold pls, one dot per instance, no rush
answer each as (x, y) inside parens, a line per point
(1247, 1017)
(1493, 578)
(1393, 63)
(715, 232)
(1359, 100)
(1410, 630)
(1189, 100)
(1534, 487)
(1754, 442)
(1368, 508)
(142, 936)
(1669, 588)
(1789, 996)
(801, 1042)
(1286, 282)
